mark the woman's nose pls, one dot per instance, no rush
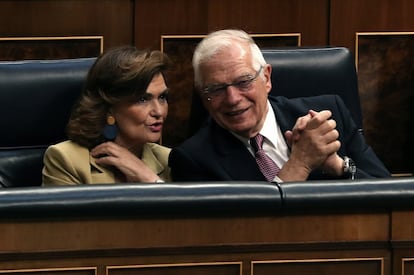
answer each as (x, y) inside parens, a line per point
(157, 108)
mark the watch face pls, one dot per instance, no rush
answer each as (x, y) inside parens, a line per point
(349, 167)
(352, 166)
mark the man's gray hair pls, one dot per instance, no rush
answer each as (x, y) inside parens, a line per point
(218, 40)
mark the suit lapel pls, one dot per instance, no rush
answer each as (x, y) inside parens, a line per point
(239, 164)
(285, 120)
(287, 111)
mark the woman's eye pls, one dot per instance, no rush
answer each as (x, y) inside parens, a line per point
(144, 99)
(163, 97)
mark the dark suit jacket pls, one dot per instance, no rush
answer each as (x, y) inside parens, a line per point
(214, 154)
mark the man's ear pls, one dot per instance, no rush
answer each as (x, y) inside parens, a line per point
(267, 72)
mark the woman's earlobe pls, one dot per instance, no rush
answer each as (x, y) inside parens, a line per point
(110, 130)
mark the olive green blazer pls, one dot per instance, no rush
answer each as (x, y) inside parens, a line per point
(68, 163)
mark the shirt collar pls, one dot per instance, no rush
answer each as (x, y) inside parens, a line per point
(270, 126)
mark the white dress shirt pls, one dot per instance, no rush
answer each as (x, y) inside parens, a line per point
(274, 145)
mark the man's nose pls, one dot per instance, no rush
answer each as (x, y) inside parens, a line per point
(232, 93)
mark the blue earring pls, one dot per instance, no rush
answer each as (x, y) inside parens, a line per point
(110, 129)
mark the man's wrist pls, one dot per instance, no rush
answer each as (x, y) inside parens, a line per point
(293, 171)
(335, 167)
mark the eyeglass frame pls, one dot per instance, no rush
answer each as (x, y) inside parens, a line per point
(219, 89)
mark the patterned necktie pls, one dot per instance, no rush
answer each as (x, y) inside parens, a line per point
(267, 166)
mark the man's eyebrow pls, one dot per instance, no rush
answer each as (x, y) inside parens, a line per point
(246, 75)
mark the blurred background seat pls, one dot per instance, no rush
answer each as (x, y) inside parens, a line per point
(36, 97)
(306, 72)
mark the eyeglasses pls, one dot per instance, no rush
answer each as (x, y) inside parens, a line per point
(243, 84)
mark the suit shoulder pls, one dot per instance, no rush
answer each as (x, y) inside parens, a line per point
(67, 146)
(317, 98)
(320, 102)
(67, 150)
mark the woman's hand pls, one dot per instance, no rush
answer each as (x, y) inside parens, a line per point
(131, 166)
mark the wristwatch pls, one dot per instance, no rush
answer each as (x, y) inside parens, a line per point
(349, 167)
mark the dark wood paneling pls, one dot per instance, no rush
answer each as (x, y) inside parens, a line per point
(310, 18)
(50, 47)
(186, 232)
(386, 88)
(402, 240)
(408, 266)
(199, 244)
(179, 269)
(176, 17)
(387, 114)
(111, 19)
(321, 266)
(51, 271)
(352, 16)
(143, 22)
(154, 18)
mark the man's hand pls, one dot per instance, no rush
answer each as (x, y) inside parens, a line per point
(313, 142)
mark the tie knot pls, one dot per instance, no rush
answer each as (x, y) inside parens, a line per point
(257, 142)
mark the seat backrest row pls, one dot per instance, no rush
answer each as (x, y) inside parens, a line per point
(36, 98)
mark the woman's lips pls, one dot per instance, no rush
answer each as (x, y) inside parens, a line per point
(156, 127)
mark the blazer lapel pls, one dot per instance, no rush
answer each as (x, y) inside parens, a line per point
(100, 174)
(151, 160)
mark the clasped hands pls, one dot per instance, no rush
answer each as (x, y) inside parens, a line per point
(314, 144)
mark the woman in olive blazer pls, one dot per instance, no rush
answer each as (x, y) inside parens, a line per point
(114, 130)
(70, 163)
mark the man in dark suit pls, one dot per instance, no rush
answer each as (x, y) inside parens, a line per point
(303, 139)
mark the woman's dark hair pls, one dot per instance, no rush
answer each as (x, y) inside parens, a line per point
(119, 74)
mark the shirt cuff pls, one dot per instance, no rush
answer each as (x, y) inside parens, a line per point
(277, 179)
